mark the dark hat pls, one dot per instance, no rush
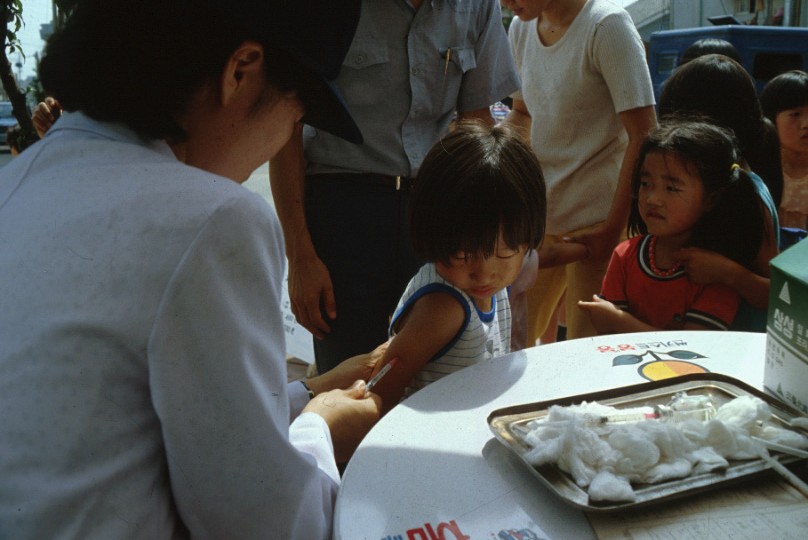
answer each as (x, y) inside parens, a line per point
(315, 33)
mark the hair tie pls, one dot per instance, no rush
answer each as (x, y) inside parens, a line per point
(734, 166)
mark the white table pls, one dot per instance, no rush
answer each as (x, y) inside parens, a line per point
(431, 467)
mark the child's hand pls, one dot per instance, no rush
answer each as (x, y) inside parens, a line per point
(604, 315)
(704, 267)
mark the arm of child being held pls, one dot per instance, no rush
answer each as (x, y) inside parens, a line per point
(430, 324)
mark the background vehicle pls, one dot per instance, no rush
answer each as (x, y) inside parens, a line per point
(766, 51)
(7, 120)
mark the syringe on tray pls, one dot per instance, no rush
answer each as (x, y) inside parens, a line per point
(679, 409)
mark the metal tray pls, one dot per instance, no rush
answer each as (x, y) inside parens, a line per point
(720, 388)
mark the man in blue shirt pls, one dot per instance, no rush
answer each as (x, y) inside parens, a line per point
(412, 67)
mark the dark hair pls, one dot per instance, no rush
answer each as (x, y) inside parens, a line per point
(140, 64)
(720, 89)
(473, 182)
(786, 91)
(735, 222)
(706, 46)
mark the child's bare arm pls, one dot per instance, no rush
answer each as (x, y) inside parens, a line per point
(564, 253)
(608, 319)
(431, 323)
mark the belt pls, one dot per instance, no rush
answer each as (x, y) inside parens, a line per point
(397, 183)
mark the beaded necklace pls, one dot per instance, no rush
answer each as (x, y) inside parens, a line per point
(652, 261)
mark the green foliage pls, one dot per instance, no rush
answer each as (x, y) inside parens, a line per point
(11, 17)
(12, 14)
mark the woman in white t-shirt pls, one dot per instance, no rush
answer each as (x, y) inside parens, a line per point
(587, 101)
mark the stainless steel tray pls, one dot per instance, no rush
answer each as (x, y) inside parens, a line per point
(720, 388)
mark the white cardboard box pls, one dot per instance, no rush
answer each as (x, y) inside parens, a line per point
(786, 372)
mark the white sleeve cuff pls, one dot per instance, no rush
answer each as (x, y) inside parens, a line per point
(298, 398)
(309, 433)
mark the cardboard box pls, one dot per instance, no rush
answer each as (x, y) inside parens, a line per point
(786, 372)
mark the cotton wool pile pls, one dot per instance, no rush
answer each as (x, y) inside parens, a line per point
(608, 458)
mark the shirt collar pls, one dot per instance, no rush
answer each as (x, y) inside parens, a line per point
(72, 122)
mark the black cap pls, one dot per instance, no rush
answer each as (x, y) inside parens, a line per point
(315, 33)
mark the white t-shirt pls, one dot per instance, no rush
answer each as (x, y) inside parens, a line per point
(574, 90)
(142, 373)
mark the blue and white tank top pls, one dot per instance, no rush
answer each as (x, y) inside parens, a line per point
(483, 335)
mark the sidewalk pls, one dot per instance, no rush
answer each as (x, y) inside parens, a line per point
(295, 368)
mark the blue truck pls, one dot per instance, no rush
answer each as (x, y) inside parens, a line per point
(766, 51)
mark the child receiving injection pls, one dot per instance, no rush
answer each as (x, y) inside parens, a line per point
(688, 191)
(477, 207)
(785, 102)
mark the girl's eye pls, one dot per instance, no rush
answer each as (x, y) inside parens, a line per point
(673, 189)
(644, 184)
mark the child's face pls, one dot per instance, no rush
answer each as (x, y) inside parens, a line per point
(671, 196)
(480, 277)
(792, 128)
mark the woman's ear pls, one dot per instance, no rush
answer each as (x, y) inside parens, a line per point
(241, 69)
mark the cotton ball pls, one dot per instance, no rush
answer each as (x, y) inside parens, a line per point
(720, 438)
(581, 471)
(583, 454)
(695, 432)
(592, 448)
(705, 459)
(637, 449)
(747, 448)
(545, 452)
(744, 412)
(677, 468)
(607, 486)
(669, 438)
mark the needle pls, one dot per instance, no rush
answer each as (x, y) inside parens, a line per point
(387, 367)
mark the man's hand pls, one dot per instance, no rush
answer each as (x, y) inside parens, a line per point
(362, 366)
(45, 114)
(350, 414)
(310, 289)
(600, 242)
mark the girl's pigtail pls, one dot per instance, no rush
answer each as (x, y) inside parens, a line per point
(737, 218)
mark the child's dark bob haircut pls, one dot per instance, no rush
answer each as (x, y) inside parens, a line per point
(734, 223)
(788, 90)
(474, 182)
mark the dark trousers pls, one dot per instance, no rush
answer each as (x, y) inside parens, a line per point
(358, 225)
